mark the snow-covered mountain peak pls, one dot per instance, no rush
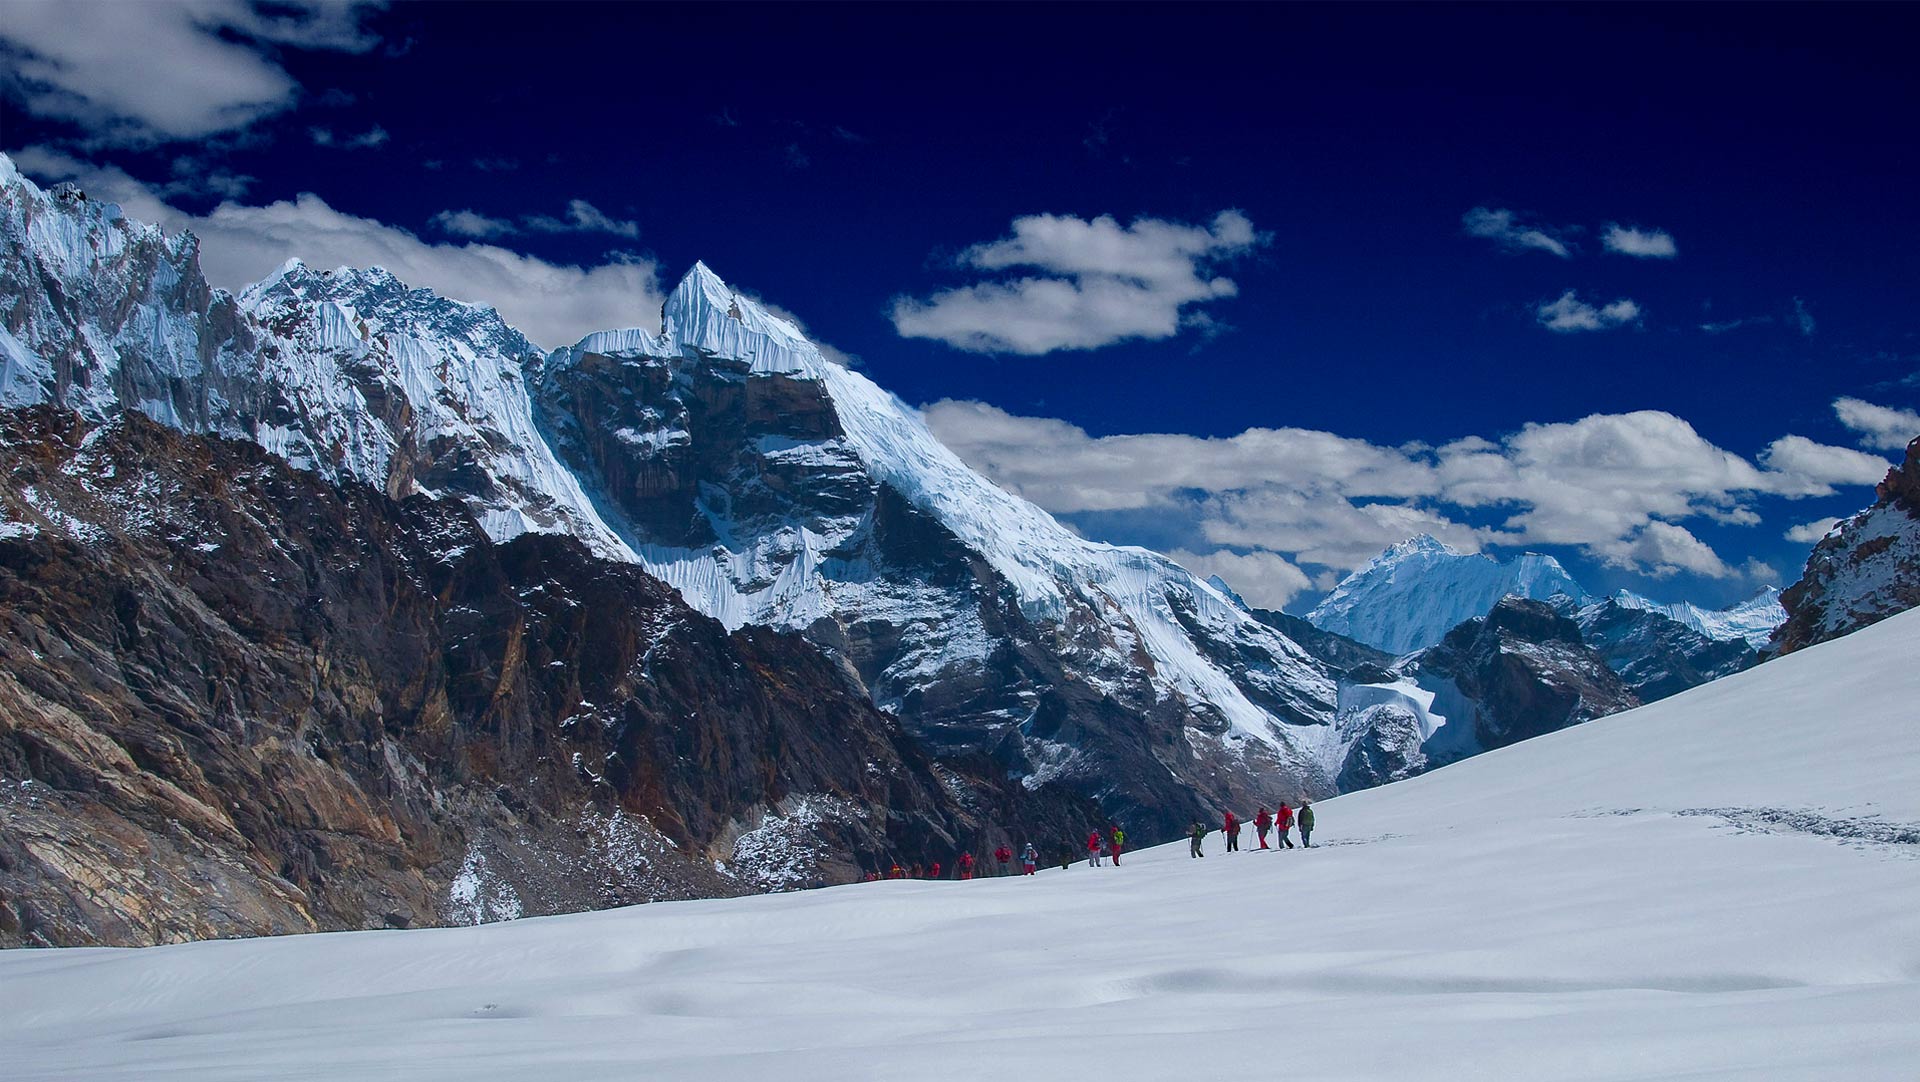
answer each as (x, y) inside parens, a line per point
(705, 315)
(1412, 594)
(1752, 620)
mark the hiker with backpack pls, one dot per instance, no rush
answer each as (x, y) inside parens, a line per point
(966, 865)
(1115, 840)
(1283, 821)
(1231, 828)
(1094, 846)
(1306, 823)
(1262, 823)
(1002, 855)
(1029, 860)
(1195, 835)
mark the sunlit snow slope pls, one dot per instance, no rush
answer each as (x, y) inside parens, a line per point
(1717, 886)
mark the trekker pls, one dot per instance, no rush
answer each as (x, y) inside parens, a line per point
(918, 871)
(1306, 822)
(1231, 828)
(1117, 839)
(966, 865)
(1002, 855)
(896, 873)
(1262, 823)
(1196, 834)
(1284, 821)
(1066, 859)
(1093, 849)
(1029, 860)
(934, 872)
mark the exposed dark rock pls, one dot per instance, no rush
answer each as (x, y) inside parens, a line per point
(1864, 571)
(1657, 655)
(237, 699)
(1516, 673)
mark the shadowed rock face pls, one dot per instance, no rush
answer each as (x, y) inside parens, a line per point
(1656, 655)
(236, 699)
(1864, 571)
(696, 454)
(1523, 671)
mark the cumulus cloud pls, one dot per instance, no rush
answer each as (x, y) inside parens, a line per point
(553, 304)
(1568, 314)
(1618, 486)
(1263, 579)
(1637, 242)
(1808, 533)
(136, 73)
(581, 217)
(1883, 427)
(1505, 229)
(1101, 283)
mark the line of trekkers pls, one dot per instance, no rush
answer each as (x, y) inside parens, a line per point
(1263, 823)
(1100, 847)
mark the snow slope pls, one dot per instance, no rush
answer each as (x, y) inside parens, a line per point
(1415, 592)
(1716, 886)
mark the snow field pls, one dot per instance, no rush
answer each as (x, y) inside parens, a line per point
(1717, 886)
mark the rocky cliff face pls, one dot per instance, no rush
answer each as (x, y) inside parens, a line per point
(1865, 570)
(237, 699)
(1520, 671)
(773, 486)
(1656, 655)
(725, 454)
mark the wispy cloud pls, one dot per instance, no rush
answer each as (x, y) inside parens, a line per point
(1639, 243)
(1506, 230)
(367, 140)
(1803, 319)
(1808, 533)
(1100, 283)
(1568, 314)
(141, 73)
(581, 217)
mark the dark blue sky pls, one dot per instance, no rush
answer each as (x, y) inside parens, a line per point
(832, 159)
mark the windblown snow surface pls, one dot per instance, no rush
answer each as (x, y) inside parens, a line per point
(1721, 885)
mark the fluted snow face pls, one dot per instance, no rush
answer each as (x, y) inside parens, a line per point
(1752, 620)
(1411, 595)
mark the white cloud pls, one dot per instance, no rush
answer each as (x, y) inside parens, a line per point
(1639, 243)
(1569, 314)
(1808, 533)
(145, 72)
(1883, 427)
(552, 304)
(1104, 283)
(1615, 485)
(1504, 228)
(1264, 579)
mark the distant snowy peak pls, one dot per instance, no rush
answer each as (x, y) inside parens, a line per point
(1752, 620)
(1412, 594)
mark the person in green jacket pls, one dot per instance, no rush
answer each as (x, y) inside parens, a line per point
(1118, 839)
(1306, 824)
(1197, 834)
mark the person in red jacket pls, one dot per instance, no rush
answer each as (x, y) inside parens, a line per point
(1231, 828)
(1093, 849)
(1003, 855)
(895, 873)
(1262, 823)
(966, 865)
(1284, 820)
(934, 871)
